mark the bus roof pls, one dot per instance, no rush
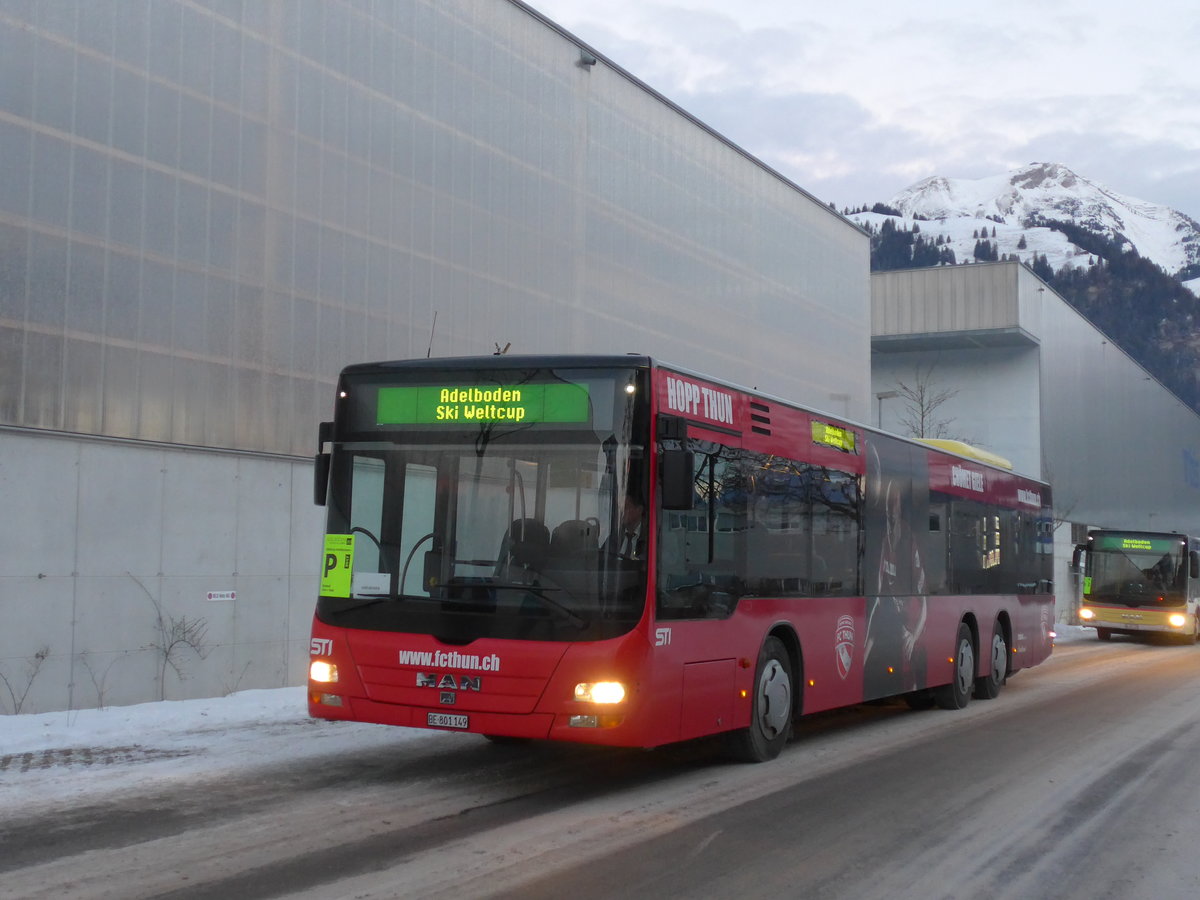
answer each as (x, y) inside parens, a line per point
(964, 449)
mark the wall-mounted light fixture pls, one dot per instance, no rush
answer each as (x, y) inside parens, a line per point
(586, 60)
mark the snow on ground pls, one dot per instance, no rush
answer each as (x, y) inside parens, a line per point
(78, 756)
(75, 756)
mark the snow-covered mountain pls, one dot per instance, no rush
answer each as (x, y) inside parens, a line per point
(1009, 203)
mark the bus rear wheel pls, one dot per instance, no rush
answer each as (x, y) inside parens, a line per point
(770, 707)
(988, 687)
(957, 693)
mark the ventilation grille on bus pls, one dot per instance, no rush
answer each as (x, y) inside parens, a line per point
(761, 414)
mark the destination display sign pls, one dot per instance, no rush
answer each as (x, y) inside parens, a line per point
(517, 404)
(834, 436)
(1127, 543)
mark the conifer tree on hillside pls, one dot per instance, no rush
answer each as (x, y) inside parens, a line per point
(1144, 310)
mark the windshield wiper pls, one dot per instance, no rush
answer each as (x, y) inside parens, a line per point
(366, 600)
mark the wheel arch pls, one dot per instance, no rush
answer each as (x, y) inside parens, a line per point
(791, 642)
(1005, 622)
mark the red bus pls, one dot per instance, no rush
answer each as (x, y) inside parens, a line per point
(610, 550)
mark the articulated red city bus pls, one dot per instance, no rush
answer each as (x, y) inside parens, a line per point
(610, 550)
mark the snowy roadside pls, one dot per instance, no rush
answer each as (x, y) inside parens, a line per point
(84, 753)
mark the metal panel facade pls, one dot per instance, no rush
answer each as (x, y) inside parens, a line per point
(945, 300)
(210, 206)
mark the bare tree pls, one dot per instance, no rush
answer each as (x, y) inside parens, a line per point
(16, 691)
(923, 396)
(175, 635)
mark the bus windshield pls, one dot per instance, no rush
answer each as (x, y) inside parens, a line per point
(497, 525)
(1137, 571)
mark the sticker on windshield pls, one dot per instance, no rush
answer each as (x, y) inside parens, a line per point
(339, 565)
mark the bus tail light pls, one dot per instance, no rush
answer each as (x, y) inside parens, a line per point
(1177, 620)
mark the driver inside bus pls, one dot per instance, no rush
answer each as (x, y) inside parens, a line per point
(1161, 574)
(628, 541)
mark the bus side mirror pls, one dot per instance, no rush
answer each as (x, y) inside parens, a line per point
(1194, 564)
(676, 468)
(321, 464)
(431, 575)
(1076, 556)
(320, 477)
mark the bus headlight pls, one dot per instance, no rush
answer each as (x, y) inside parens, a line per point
(1177, 620)
(600, 692)
(322, 671)
(1086, 614)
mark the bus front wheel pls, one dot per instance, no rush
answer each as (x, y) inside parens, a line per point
(770, 707)
(957, 693)
(1104, 634)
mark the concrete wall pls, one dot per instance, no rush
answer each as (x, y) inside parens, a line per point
(994, 404)
(114, 550)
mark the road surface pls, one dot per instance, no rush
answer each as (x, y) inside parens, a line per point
(1080, 780)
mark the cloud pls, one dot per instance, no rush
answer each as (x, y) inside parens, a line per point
(857, 100)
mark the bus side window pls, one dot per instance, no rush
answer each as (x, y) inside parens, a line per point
(836, 515)
(702, 551)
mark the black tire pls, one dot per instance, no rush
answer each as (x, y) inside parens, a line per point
(957, 693)
(770, 707)
(1104, 634)
(988, 687)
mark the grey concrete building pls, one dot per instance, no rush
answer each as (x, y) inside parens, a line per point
(1030, 379)
(210, 206)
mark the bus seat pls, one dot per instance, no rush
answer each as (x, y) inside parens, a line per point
(574, 542)
(525, 545)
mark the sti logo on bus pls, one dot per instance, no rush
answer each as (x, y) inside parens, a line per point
(699, 401)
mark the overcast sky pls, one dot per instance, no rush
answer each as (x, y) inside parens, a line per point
(855, 100)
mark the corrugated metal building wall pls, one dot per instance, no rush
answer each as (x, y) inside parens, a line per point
(210, 207)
